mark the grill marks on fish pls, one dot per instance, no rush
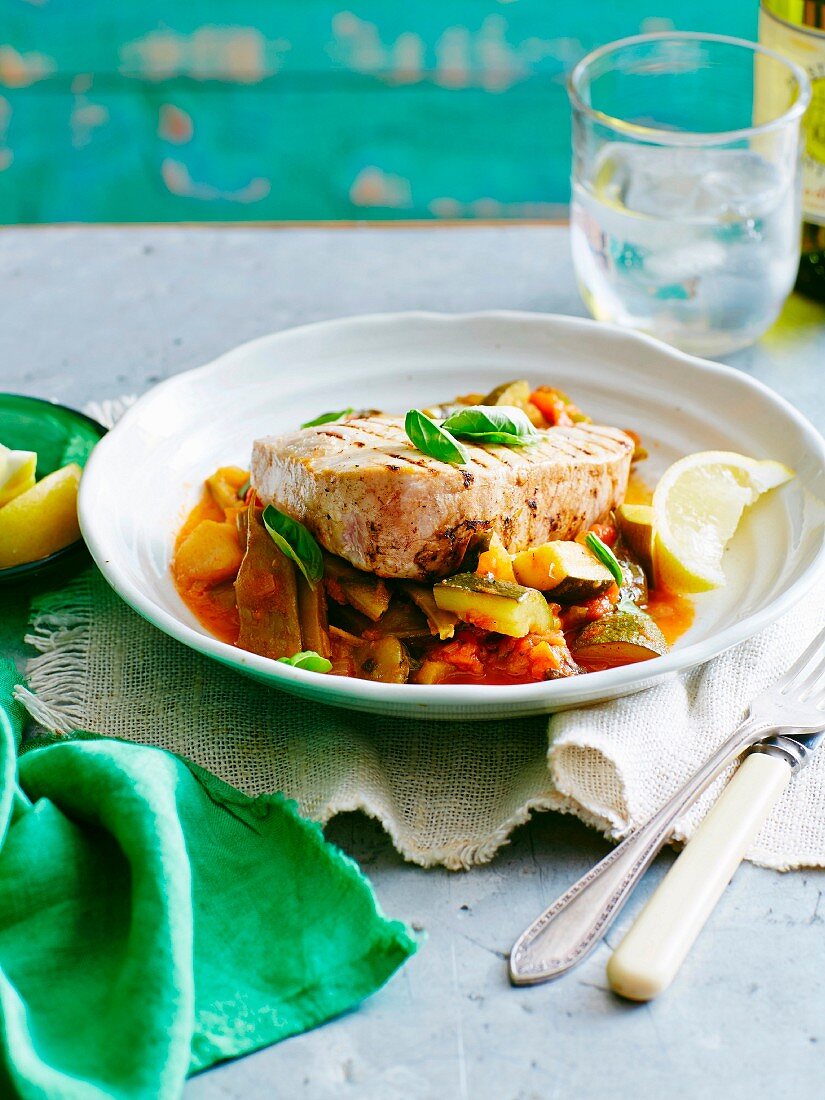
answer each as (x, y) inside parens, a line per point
(381, 438)
(368, 495)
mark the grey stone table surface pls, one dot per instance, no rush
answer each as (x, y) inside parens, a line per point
(99, 312)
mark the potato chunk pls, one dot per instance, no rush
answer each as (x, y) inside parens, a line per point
(384, 660)
(41, 520)
(210, 553)
(225, 484)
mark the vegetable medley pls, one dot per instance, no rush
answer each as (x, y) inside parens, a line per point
(258, 578)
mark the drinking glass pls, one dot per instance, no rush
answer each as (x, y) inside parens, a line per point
(685, 214)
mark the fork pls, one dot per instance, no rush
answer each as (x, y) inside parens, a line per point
(785, 721)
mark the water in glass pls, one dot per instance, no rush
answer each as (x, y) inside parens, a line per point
(696, 246)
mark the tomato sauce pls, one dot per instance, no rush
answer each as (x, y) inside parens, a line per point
(672, 614)
(206, 508)
(212, 605)
(638, 491)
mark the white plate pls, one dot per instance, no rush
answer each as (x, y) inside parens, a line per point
(145, 475)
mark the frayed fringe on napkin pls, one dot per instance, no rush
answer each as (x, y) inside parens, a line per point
(446, 793)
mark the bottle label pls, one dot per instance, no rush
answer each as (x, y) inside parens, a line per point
(807, 49)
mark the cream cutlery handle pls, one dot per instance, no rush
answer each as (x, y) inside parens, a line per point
(648, 958)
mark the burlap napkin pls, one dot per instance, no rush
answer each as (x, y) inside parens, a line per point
(446, 793)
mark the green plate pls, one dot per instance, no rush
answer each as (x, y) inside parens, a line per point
(59, 435)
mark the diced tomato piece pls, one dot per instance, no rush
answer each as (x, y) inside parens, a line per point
(495, 658)
(606, 532)
(551, 405)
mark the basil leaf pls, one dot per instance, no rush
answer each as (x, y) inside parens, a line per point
(244, 489)
(605, 555)
(308, 660)
(293, 539)
(427, 437)
(504, 424)
(327, 418)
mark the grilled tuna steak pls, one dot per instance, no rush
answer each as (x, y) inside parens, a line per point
(368, 495)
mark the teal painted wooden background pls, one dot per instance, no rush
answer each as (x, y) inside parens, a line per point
(139, 110)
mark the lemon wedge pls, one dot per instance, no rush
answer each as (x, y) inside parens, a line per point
(42, 520)
(16, 473)
(697, 506)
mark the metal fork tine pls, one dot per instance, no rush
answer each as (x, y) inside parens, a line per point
(815, 649)
(815, 689)
(807, 681)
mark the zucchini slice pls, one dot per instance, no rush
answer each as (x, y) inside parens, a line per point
(509, 393)
(623, 637)
(515, 393)
(566, 569)
(495, 605)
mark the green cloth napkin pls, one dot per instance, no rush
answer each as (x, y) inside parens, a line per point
(154, 921)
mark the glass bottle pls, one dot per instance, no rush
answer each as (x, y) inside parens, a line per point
(796, 29)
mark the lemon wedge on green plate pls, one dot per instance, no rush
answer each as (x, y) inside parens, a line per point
(16, 473)
(697, 506)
